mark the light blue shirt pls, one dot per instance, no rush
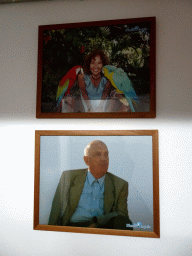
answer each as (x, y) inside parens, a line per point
(94, 93)
(91, 202)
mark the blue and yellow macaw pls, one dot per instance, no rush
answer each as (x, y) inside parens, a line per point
(122, 83)
(66, 83)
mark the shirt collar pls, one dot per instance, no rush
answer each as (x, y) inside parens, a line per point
(91, 179)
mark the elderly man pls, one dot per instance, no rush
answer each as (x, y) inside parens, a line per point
(91, 197)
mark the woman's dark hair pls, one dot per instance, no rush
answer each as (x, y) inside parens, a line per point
(92, 55)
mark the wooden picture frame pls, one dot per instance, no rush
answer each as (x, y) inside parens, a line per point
(127, 88)
(133, 156)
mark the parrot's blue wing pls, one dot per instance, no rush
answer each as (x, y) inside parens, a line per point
(123, 83)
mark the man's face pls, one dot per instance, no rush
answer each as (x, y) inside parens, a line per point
(97, 159)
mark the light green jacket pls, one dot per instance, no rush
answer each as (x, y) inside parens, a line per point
(69, 191)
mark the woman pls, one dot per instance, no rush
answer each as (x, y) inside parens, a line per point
(95, 88)
(93, 85)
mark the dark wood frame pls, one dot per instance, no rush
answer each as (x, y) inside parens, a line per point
(155, 174)
(152, 66)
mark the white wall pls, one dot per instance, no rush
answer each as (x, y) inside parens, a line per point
(18, 76)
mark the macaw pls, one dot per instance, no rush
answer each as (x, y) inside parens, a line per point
(122, 83)
(67, 82)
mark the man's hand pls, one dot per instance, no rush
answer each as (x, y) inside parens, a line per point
(94, 225)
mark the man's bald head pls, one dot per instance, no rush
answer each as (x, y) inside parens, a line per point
(92, 145)
(96, 158)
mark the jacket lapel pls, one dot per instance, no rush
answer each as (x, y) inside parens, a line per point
(76, 190)
(109, 196)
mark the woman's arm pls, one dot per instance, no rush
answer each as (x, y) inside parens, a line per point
(82, 87)
(107, 90)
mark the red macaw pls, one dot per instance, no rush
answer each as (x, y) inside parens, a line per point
(66, 83)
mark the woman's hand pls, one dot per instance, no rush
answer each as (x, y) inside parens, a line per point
(80, 75)
(69, 101)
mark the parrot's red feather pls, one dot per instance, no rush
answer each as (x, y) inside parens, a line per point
(71, 75)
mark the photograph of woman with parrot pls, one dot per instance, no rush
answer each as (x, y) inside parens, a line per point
(97, 68)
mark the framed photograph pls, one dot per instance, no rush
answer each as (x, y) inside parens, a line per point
(102, 69)
(97, 182)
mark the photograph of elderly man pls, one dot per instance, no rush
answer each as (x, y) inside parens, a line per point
(91, 197)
